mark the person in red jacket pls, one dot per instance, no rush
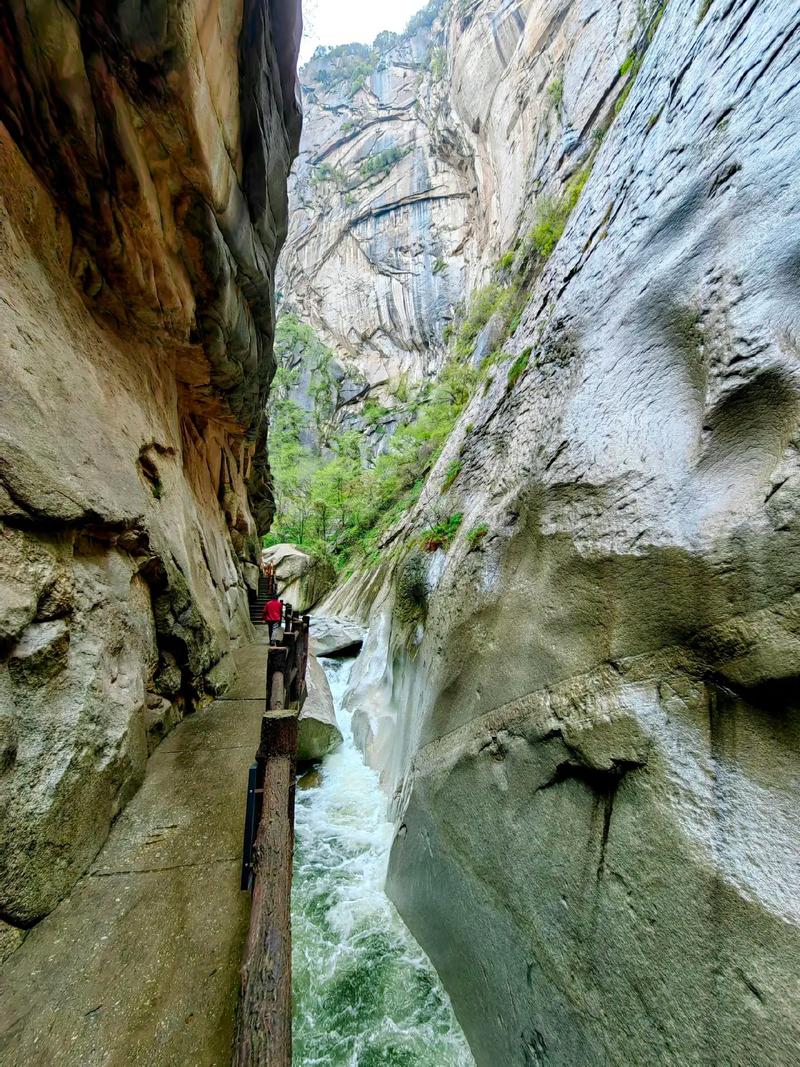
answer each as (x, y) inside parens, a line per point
(273, 609)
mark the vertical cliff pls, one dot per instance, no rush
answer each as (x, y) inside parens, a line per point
(421, 158)
(144, 155)
(580, 677)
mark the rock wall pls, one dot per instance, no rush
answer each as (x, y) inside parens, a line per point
(143, 205)
(420, 158)
(588, 715)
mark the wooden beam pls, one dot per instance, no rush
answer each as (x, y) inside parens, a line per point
(264, 1022)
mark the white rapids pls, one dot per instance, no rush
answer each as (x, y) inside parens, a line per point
(365, 995)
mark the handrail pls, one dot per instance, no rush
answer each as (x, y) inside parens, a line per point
(264, 1021)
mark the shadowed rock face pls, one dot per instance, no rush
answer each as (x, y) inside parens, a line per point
(591, 729)
(144, 150)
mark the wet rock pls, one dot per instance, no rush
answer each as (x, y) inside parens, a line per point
(311, 779)
(335, 637)
(592, 746)
(319, 732)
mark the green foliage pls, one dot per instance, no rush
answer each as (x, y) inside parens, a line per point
(437, 63)
(549, 223)
(324, 172)
(452, 472)
(653, 118)
(439, 265)
(705, 7)
(506, 261)
(556, 91)
(373, 413)
(485, 302)
(518, 368)
(380, 162)
(386, 40)
(342, 499)
(401, 391)
(346, 64)
(627, 64)
(442, 533)
(551, 216)
(411, 589)
(424, 18)
(633, 61)
(476, 535)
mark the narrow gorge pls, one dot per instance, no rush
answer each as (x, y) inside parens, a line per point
(484, 335)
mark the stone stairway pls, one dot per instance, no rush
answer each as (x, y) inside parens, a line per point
(257, 603)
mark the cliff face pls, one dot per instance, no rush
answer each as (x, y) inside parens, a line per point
(143, 206)
(419, 159)
(585, 701)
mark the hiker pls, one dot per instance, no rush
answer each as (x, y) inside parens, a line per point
(273, 610)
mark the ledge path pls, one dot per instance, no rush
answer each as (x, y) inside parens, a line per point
(140, 964)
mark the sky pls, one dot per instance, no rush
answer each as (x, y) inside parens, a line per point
(341, 21)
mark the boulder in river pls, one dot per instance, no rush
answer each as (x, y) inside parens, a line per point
(319, 732)
(331, 636)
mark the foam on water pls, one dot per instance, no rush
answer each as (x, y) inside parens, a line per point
(365, 995)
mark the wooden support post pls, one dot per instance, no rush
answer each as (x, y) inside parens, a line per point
(264, 1022)
(276, 677)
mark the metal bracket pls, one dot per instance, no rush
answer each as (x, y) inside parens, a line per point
(251, 817)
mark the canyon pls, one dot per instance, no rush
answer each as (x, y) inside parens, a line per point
(523, 388)
(579, 679)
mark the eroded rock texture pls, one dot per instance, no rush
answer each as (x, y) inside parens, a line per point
(144, 152)
(409, 187)
(592, 732)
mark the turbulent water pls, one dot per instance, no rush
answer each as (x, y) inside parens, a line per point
(365, 995)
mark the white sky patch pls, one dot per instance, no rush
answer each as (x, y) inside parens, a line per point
(342, 21)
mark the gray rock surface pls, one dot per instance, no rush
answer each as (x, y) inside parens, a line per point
(144, 162)
(319, 732)
(302, 580)
(408, 187)
(331, 636)
(591, 736)
(139, 965)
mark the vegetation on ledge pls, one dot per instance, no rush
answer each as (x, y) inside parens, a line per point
(338, 501)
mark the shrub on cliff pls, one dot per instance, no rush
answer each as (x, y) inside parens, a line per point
(441, 534)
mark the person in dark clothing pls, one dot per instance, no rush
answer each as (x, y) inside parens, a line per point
(273, 609)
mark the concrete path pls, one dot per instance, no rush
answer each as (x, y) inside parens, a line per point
(139, 965)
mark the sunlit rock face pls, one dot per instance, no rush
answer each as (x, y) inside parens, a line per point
(592, 730)
(417, 172)
(144, 159)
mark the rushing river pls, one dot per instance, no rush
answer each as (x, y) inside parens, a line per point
(365, 995)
